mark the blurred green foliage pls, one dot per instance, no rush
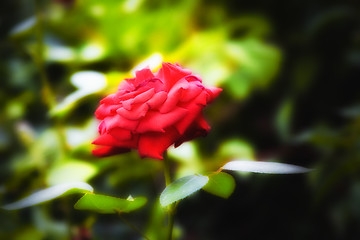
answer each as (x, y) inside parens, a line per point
(288, 71)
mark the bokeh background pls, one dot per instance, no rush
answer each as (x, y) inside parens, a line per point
(289, 70)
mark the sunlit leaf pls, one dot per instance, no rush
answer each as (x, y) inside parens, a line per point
(283, 119)
(182, 188)
(131, 5)
(258, 61)
(264, 167)
(107, 204)
(87, 82)
(92, 52)
(56, 52)
(80, 135)
(72, 171)
(220, 184)
(24, 26)
(235, 148)
(50, 194)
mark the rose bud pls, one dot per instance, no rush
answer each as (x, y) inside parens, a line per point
(153, 111)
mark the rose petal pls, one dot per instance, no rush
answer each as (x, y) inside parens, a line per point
(120, 134)
(127, 104)
(213, 93)
(172, 73)
(193, 78)
(110, 99)
(108, 151)
(199, 128)
(129, 95)
(145, 96)
(121, 122)
(102, 127)
(154, 144)
(158, 99)
(194, 112)
(140, 96)
(194, 108)
(143, 75)
(193, 91)
(138, 111)
(156, 84)
(174, 96)
(126, 85)
(202, 124)
(105, 110)
(133, 143)
(181, 84)
(155, 121)
(106, 140)
(171, 102)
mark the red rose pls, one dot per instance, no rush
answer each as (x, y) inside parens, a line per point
(153, 111)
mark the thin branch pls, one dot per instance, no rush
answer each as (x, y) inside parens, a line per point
(133, 227)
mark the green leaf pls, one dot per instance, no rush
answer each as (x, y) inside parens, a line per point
(182, 188)
(87, 82)
(220, 184)
(283, 119)
(235, 148)
(264, 167)
(25, 26)
(106, 204)
(71, 171)
(50, 194)
(258, 64)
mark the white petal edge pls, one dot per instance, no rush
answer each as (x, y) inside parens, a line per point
(264, 167)
(47, 194)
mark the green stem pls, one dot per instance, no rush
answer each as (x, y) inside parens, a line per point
(46, 91)
(171, 215)
(167, 173)
(172, 207)
(132, 226)
(39, 57)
